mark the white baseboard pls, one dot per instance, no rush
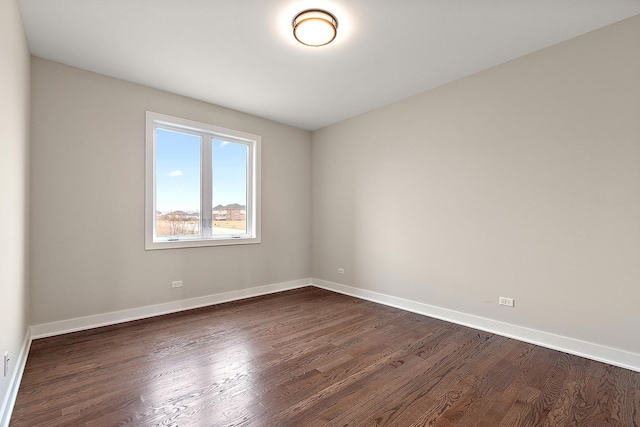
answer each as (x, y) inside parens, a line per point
(98, 320)
(12, 392)
(585, 349)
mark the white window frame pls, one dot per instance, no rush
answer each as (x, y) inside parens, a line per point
(208, 133)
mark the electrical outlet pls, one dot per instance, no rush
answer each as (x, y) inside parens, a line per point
(509, 302)
(5, 364)
(341, 271)
(176, 284)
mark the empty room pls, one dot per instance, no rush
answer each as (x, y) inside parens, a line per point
(320, 213)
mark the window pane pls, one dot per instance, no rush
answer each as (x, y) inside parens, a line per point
(229, 187)
(177, 184)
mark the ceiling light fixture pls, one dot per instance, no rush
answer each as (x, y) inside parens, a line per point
(315, 27)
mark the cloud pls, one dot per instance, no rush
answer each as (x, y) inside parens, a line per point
(223, 143)
(175, 173)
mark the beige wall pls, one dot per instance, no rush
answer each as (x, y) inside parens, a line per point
(87, 176)
(14, 187)
(520, 181)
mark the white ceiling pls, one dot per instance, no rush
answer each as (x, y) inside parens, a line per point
(241, 54)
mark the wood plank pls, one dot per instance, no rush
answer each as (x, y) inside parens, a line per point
(313, 357)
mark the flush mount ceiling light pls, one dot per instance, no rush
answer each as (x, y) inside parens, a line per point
(315, 27)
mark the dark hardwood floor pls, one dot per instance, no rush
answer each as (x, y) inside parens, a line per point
(310, 357)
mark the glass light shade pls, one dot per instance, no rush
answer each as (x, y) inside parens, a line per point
(315, 27)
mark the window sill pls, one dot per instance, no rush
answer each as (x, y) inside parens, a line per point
(199, 243)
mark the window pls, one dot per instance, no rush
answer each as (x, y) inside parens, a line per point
(202, 184)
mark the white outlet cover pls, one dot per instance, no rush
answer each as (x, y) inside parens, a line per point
(508, 302)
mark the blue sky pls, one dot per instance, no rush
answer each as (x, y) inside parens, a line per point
(178, 172)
